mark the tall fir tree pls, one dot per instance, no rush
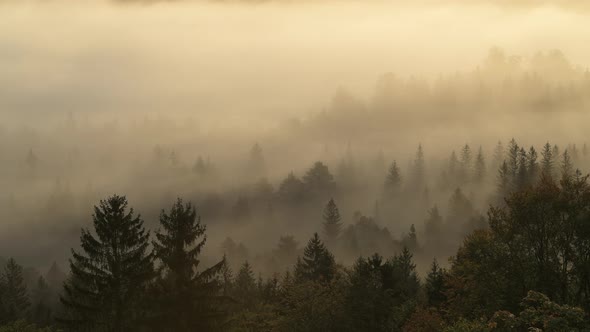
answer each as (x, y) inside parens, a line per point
(513, 157)
(245, 285)
(14, 298)
(332, 221)
(480, 166)
(532, 166)
(317, 263)
(418, 170)
(567, 166)
(42, 304)
(185, 296)
(466, 163)
(547, 161)
(435, 285)
(109, 277)
(393, 181)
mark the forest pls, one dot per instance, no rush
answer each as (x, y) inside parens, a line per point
(280, 165)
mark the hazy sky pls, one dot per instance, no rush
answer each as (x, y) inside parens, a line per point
(268, 58)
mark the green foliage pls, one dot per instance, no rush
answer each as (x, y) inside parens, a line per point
(332, 224)
(184, 295)
(14, 301)
(317, 263)
(110, 277)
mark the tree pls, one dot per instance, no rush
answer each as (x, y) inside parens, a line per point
(433, 227)
(184, 294)
(567, 166)
(245, 285)
(332, 224)
(435, 285)
(393, 181)
(411, 239)
(498, 155)
(547, 161)
(513, 154)
(256, 164)
(504, 180)
(317, 263)
(318, 180)
(532, 166)
(110, 276)
(14, 299)
(291, 190)
(418, 169)
(466, 163)
(42, 304)
(480, 166)
(522, 173)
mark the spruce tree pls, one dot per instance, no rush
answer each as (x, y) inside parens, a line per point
(567, 166)
(433, 227)
(332, 224)
(245, 285)
(522, 174)
(110, 275)
(435, 285)
(418, 171)
(532, 166)
(498, 155)
(547, 161)
(42, 303)
(504, 180)
(393, 181)
(466, 163)
(317, 263)
(480, 167)
(14, 298)
(513, 154)
(185, 295)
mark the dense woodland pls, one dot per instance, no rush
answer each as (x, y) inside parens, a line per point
(521, 263)
(345, 220)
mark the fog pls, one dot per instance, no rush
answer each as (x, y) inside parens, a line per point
(102, 97)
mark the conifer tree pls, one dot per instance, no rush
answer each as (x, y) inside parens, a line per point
(435, 288)
(418, 169)
(498, 155)
(547, 161)
(567, 166)
(522, 174)
(513, 157)
(332, 224)
(110, 276)
(14, 298)
(466, 163)
(392, 185)
(256, 165)
(453, 167)
(318, 180)
(245, 285)
(433, 226)
(42, 304)
(532, 166)
(504, 180)
(480, 166)
(185, 294)
(317, 263)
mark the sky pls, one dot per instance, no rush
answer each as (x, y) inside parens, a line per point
(268, 59)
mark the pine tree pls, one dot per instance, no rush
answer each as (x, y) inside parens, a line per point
(504, 180)
(498, 155)
(318, 180)
(567, 166)
(42, 308)
(256, 165)
(411, 239)
(418, 171)
(407, 282)
(433, 226)
(317, 263)
(532, 166)
(110, 276)
(513, 154)
(14, 299)
(185, 294)
(435, 288)
(547, 161)
(332, 224)
(466, 163)
(480, 166)
(522, 174)
(245, 285)
(393, 181)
